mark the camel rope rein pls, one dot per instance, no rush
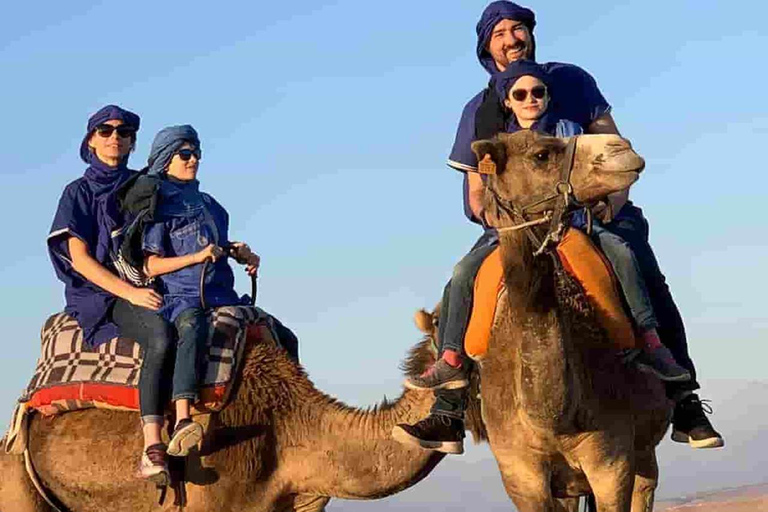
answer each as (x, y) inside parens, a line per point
(554, 216)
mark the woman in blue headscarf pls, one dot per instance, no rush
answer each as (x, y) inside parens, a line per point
(83, 244)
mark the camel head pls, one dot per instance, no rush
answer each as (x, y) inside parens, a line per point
(527, 165)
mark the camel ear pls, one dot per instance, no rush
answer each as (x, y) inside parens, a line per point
(491, 155)
(423, 321)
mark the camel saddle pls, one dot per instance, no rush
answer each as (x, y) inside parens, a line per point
(72, 375)
(582, 260)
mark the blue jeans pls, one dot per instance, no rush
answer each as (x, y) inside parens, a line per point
(155, 336)
(192, 334)
(455, 310)
(631, 226)
(629, 275)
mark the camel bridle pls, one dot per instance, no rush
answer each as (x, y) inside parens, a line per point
(564, 202)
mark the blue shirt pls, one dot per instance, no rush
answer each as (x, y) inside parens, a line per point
(187, 220)
(87, 211)
(576, 97)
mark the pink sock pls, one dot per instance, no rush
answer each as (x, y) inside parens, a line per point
(651, 339)
(452, 357)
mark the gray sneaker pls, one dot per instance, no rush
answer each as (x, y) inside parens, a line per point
(440, 376)
(661, 363)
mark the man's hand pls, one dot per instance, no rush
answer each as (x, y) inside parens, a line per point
(603, 211)
(211, 252)
(145, 298)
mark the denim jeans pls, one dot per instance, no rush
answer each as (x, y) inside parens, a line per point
(629, 275)
(455, 310)
(156, 338)
(192, 334)
(631, 226)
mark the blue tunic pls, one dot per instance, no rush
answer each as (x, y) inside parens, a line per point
(187, 220)
(87, 210)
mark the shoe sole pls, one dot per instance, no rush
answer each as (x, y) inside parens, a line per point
(450, 447)
(712, 442)
(184, 440)
(451, 384)
(666, 378)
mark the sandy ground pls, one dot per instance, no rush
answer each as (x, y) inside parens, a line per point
(744, 499)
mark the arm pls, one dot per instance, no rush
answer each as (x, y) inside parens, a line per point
(156, 265)
(606, 125)
(476, 191)
(85, 265)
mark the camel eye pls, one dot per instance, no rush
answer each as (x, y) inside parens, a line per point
(542, 156)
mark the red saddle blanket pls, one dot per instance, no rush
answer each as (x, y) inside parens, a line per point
(71, 375)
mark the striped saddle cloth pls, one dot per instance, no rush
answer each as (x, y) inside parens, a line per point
(71, 375)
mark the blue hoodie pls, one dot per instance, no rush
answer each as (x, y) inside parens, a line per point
(575, 92)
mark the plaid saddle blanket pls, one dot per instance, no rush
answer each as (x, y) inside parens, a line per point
(71, 375)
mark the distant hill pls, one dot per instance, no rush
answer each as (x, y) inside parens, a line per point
(752, 498)
(740, 413)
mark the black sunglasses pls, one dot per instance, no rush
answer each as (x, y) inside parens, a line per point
(186, 154)
(537, 92)
(106, 130)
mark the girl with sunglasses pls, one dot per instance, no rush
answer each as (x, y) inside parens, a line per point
(83, 244)
(188, 228)
(523, 87)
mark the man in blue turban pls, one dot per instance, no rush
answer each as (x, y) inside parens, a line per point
(505, 35)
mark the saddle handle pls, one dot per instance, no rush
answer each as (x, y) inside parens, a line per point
(254, 286)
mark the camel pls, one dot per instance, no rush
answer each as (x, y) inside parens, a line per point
(280, 445)
(562, 414)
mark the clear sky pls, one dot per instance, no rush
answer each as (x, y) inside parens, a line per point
(325, 127)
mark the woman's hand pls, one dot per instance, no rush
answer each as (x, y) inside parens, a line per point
(211, 252)
(145, 298)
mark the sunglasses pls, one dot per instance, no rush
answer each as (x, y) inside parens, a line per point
(186, 154)
(537, 92)
(106, 130)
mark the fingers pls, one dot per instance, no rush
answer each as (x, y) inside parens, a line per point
(252, 270)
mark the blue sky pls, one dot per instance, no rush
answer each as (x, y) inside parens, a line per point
(325, 128)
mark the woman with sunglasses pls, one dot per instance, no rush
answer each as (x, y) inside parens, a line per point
(188, 228)
(83, 245)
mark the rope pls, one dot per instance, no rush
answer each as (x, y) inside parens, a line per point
(530, 223)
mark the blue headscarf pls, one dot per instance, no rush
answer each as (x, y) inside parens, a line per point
(504, 81)
(167, 142)
(493, 14)
(108, 113)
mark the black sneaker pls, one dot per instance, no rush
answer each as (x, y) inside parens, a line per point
(440, 375)
(435, 432)
(691, 425)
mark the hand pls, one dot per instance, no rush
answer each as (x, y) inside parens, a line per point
(211, 252)
(252, 265)
(145, 298)
(240, 252)
(603, 211)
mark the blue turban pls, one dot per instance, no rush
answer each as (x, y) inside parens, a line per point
(108, 113)
(492, 15)
(167, 142)
(504, 81)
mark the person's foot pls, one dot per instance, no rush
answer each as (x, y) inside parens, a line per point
(435, 432)
(154, 465)
(186, 435)
(660, 362)
(440, 375)
(691, 425)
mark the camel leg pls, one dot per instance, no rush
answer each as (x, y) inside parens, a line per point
(16, 491)
(609, 468)
(646, 480)
(526, 482)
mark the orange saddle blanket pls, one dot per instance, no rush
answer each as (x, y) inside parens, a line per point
(584, 262)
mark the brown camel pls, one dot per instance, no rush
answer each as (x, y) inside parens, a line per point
(563, 415)
(281, 445)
